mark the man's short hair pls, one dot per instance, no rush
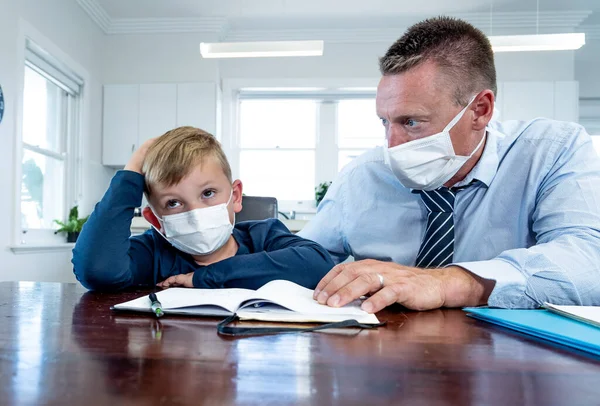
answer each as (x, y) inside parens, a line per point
(177, 152)
(462, 52)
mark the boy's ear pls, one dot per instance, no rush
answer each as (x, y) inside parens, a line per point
(150, 217)
(237, 196)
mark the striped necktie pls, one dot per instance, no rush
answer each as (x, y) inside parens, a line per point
(437, 248)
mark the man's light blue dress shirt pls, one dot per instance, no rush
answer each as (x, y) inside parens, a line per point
(530, 220)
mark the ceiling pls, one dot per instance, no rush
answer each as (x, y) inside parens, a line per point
(320, 8)
(338, 19)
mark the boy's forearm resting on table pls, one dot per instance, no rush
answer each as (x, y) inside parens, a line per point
(304, 265)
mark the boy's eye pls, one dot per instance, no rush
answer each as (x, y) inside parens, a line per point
(207, 194)
(173, 204)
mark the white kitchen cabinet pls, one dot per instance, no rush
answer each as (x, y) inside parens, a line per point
(529, 100)
(196, 104)
(135, 113)
(158, 110)
(120, 123)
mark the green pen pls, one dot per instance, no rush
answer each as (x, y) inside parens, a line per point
(156, 306)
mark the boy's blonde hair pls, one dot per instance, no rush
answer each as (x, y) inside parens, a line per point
(175, 153)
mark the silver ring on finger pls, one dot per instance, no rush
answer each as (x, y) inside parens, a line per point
(380, 281)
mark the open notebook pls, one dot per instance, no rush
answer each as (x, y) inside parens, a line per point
(585, 314)
(278, 300)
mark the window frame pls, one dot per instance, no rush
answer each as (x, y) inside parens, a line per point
(35, 48)
(327, 92)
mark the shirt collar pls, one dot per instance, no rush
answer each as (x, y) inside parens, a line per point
(487, 166)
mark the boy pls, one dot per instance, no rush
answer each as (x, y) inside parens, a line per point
(193, 243)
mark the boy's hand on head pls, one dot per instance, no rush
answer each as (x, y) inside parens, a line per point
(136, 162)
(182, 280)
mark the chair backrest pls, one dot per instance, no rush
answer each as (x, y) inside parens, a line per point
(257, 208)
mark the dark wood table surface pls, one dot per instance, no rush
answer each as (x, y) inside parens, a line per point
(62, 345)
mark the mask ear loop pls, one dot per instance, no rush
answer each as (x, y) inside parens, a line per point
(154, 212)
(455, 120)
(229, 201)
(479, 145)
(160, 220)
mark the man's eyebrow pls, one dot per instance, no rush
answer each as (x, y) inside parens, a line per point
(407, 116)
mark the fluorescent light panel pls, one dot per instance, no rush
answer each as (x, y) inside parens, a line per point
(542, 42)
(508, 43)
(261, 49)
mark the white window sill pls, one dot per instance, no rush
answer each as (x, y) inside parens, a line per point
(41, 248)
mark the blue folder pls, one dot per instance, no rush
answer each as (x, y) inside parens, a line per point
(543, 324)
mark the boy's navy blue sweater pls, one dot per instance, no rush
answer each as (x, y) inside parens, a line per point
(107, 258)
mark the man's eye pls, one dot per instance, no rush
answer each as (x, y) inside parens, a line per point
(384, 121)
(208, 194)
(173, 204)
(411, 123)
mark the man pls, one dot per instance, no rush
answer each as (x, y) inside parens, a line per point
(455, 212)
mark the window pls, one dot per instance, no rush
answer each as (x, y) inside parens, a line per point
(48, 164)
(359, 129)
(290, 140)
(278, 134)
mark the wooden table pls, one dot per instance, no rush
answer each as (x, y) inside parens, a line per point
(60, 345)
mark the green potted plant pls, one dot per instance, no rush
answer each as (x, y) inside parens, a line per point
(320, 191)
(73, 225)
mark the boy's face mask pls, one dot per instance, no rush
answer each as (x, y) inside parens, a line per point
(199, 231)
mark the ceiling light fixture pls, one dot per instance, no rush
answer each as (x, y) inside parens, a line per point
(536, 42)
(261, 49)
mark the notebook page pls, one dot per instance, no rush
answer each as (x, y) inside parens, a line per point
(275, 313)
(586, 314)
(177, 298)
(300, 300)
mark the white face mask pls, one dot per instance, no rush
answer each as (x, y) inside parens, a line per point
(429, 162)
(199, 231)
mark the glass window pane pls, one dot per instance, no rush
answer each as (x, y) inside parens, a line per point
(42, 190)
(346, 156)
(358, 124)
(278, 123)
(286, 175)
(43, 112)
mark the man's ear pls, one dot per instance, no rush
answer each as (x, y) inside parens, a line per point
(150, 217)
(484, 109)
(237, 196)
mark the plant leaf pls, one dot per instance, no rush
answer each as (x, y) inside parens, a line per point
(74, 213)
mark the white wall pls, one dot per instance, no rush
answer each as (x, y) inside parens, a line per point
(63, 23)
(166, 58)
(535, 66)
(338, 61)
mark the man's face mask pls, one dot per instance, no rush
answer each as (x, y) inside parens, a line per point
(429, 162)
(199, 231)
